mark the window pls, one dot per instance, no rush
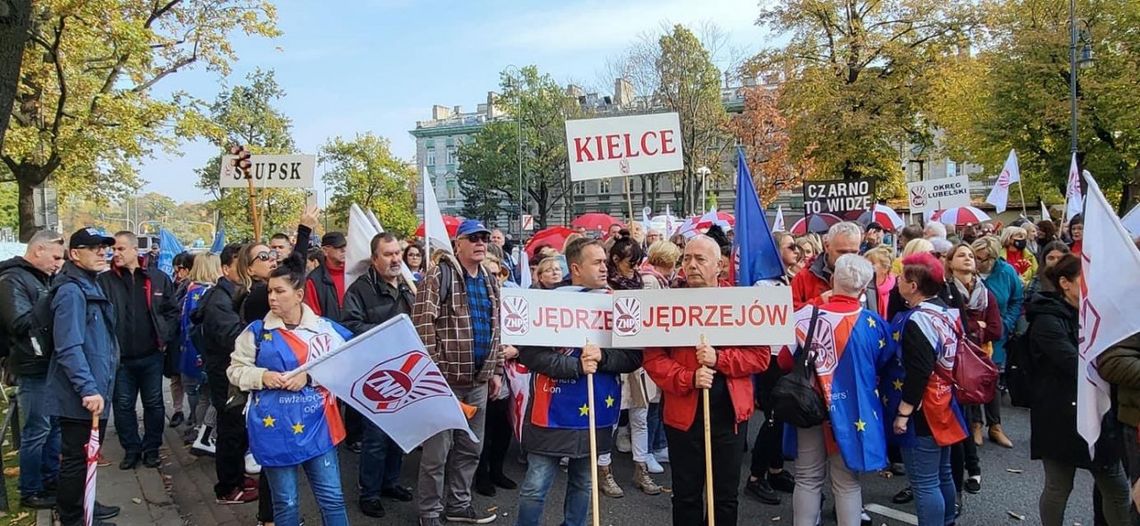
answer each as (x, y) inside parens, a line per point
(431, 156)
(451, 156)
(580, 188)
(452, 189)
(603, 186)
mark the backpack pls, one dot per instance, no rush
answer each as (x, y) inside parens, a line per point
(444, 284)
(975, 376)
(1019, 371)
(43, 341)
(795, 399)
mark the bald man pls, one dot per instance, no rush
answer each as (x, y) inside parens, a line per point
(681, 373)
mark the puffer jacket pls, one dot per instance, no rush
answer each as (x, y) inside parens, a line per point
(1120, 366)
(21, 286)
(86, 350)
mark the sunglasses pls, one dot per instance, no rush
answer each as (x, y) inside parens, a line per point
(266, 255)
(478, 238)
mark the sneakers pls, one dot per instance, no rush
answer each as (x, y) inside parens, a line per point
(642, 480)
(973, 484)
(762, 491)
(251, 465)
(653, 466)
(607, 484)
(203, 444)
(239, 496)
(467, 515)
(782, 481)
(662, 456)
(622, 442)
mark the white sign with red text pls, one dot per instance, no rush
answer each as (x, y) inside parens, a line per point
(621, 146)
(553, 318)
(724, 316)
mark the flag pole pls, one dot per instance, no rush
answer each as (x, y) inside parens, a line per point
(1021, 192)
(710, 509)
(594, 504)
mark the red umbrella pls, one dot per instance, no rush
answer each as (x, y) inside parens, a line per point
(962, 215)
(884, 216)
(554, 236)
(704, 224)
(451, 223)
(595, 221)
(92, 467)
(814, 223)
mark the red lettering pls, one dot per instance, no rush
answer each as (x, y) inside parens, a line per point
(582, 149)
(629, 152)
(598, 148)
(695, 314)
(677, 313)
(645, 145)
(778, 315)
(613, 146)
(667, 142)
(582, 318)
(565, 318)
(607, 320)
(725, 315)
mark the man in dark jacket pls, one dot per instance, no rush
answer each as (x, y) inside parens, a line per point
(81, 372)
(146, 320)
(324, 290)
(23, 281)
(374, 298)
(547, 438)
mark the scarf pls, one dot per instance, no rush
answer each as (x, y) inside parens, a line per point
(976, 300)
(619, 282)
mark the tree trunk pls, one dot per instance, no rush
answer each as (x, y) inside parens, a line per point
(26, 208)
(15, 22)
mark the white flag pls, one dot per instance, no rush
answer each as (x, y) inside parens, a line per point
(778, 224)
(1010, 173)
(524, 269)
(1110, 268)
(1131, 221)
(358, 252)
(1074, 201)
(1045, 211)
(387, 376)
(435, 232)
(669, 227)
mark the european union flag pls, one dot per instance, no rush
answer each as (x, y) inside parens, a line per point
(219, 241)
(168, 247)
(756, 251)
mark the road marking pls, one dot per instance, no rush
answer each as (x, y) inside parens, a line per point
(892, 513)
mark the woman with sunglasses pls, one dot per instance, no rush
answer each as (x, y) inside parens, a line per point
(414, 259)
(791, 253)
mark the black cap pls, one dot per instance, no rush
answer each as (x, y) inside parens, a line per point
(874, 225)
(89, 237)
(333, 239)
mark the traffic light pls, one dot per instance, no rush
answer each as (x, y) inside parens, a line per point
(242, 159)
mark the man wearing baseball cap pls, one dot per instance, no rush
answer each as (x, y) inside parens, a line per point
(81, 371)
(457, 317)
(872, 238)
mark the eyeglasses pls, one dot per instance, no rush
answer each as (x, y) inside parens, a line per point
(266, 255)
(478, 238)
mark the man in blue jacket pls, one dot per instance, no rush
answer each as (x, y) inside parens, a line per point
(82, 368)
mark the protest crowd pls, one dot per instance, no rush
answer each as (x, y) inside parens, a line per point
(899, 332)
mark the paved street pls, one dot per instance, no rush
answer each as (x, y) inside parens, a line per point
(1002, 492)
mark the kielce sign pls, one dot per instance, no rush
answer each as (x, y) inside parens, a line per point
(623, 146)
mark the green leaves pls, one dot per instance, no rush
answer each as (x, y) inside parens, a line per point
(364, 171)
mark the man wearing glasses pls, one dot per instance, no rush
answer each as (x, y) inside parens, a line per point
(81, 372)
(813, 284)
(457, 317)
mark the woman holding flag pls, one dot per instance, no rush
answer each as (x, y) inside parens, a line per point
(292, 423)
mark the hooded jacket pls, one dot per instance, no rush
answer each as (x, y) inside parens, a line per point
(21, 286)
(86, 349)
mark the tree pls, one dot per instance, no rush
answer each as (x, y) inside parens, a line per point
(15, 21)
(763, 133)
(85, 113)
(245, 115)
(364, 171)
(689, 84)
(858, 76)
(488, 178)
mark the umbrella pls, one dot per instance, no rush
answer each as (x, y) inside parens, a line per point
(814, 223)
(449, 222)
(92, 468)
(883, 215)
(554, 236)
(724, 217)
(595, 221)
(960, 215)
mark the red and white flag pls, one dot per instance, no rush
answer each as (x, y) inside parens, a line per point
(387, 375)
(1010, 173)
(1110, 268)
(92, 469)
(1074, 201)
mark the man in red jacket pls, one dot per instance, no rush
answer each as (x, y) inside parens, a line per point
(727, 372)
(812, 285)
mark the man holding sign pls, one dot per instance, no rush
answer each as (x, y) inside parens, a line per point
(681, 372)
(557, 415)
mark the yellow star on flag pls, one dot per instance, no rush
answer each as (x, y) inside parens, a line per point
(897, 336)
(871, 322)
(860, 425)
(584, 410)
(197, 296)
(268, 421)
(267, 336)
(882, 343)
(298, 428)
(898, 384)
(610, 401)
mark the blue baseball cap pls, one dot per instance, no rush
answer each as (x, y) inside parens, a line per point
(471, 226)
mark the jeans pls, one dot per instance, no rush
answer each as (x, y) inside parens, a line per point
(656, 426)
(1112, 483)
(142, 376)
(540, 473)
(39, 439)
(380, 462)
(74, 435)
(451, 456)
(928, 468)
(813, 465)
(323, 473)
(197, 394)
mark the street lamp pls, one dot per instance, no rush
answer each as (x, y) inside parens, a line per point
(517, 84)
(703, 172)
(1086, 60)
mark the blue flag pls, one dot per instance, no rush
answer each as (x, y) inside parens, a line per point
(753, 245)
(168, 247)
(219, 241)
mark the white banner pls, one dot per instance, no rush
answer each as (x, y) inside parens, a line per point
(724, 316)
(271, 171)
(938, 194)
(621, 146)
(554, 318)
